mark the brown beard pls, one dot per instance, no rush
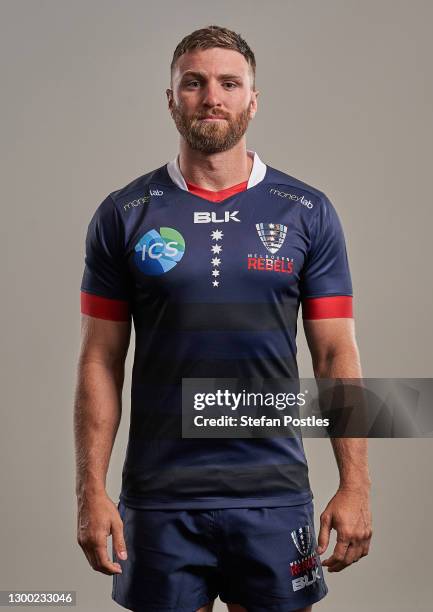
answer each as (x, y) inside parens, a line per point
(210, 137)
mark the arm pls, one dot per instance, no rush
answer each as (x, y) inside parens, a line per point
(97, 414)
(335, 354)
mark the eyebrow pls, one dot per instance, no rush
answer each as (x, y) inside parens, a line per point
(201, 74)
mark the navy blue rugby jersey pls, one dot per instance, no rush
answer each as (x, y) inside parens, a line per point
(213, 282)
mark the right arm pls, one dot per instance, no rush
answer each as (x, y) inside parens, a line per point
(97, 414)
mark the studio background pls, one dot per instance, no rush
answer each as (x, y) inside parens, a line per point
(345, 105)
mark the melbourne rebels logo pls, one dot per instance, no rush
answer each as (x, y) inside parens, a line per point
(302, 539)
(158, 252)
(304, 571)
(272, 235)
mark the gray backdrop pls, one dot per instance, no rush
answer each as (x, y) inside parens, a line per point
(345, 105)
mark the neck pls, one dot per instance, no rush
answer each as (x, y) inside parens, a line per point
(215, 171)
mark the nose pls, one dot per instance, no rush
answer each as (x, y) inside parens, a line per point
(211, 96)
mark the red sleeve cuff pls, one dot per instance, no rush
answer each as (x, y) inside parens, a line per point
(330, 307)
(104, 308)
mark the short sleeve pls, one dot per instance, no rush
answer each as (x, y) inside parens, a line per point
(326, 285)
(104, 287)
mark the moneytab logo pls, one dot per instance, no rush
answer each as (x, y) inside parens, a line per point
(213, 217)
(137, 202)
(292, 196)
(158, 252)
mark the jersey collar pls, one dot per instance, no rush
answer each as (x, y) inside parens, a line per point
(257, 174)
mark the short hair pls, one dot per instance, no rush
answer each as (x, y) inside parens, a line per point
(215, 36)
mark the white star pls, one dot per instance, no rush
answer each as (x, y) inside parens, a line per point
(216, 261)
(217, 235)
(271, 225)
(215, 272)
(216, 248)
(215, 283)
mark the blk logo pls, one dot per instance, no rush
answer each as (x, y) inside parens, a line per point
(306, 580)
(214, 217)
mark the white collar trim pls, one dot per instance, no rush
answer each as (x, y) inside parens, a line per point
(257, 174)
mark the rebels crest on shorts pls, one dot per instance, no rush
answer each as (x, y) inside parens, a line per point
(302, 539)
(272, 235)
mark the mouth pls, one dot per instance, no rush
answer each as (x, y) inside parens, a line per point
(212, 118)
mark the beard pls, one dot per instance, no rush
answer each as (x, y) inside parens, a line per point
(210, 136)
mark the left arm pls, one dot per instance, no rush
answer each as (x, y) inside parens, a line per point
(335, 354)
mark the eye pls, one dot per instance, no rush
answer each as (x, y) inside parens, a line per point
(230, 83)
(191, 83)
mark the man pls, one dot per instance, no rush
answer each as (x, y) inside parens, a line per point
(211, 256)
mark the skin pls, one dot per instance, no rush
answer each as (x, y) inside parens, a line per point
(213, 156)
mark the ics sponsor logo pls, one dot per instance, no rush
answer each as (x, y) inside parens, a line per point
(158, 252)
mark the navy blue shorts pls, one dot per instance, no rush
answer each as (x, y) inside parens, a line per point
(180, 560)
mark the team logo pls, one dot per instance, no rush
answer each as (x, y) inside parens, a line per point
(305, 571)
(158, 252)
(272, 235)
(302, 539)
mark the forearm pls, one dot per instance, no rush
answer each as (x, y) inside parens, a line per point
(351, 454)
(97, 416)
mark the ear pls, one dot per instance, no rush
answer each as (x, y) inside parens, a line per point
(169, 94)
(253, 104)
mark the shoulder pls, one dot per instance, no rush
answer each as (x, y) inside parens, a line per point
(137, 191)
(309, 198)
(283, 185)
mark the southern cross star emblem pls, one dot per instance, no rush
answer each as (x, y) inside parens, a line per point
(217, 235)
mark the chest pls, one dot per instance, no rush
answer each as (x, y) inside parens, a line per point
(203, 251)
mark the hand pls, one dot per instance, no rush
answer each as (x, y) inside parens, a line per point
(349, 513)
(98, 517)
